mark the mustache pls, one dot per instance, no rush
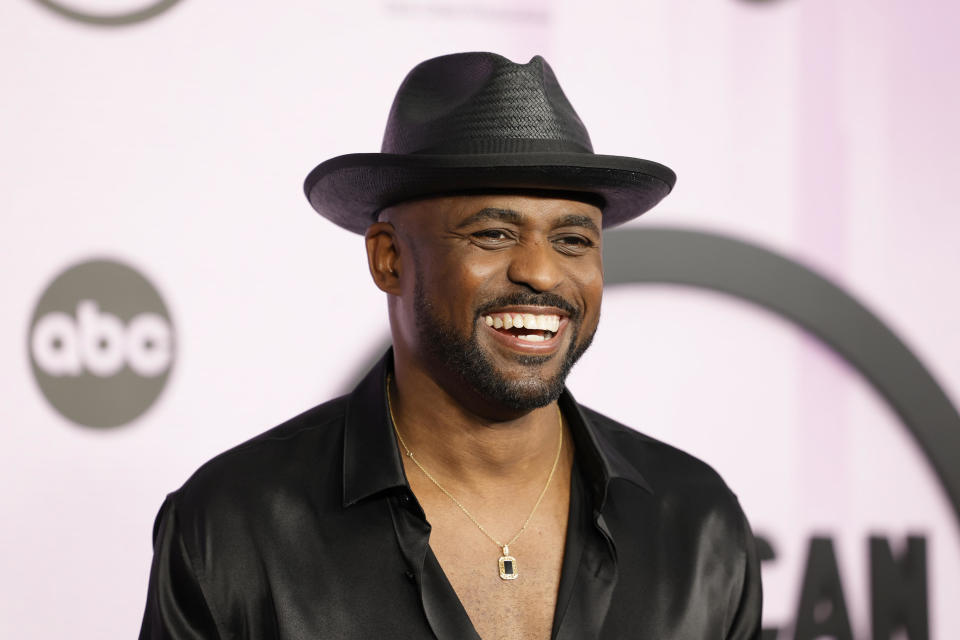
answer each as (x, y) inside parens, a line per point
(533, 299)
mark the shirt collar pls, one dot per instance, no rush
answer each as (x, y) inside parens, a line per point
(372, 463)
(371, 459)
(599, 456)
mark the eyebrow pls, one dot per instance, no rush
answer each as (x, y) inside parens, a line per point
(577, 220)
(491, 213)
(515, 217)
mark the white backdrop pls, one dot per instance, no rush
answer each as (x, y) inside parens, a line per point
(177, 145)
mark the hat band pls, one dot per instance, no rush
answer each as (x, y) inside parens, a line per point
(501, 145)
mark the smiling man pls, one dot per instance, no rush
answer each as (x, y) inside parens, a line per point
(460, 491)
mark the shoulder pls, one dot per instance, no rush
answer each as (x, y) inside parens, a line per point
(298, 458)
(670, 472)
(687, 504)
(689, 521)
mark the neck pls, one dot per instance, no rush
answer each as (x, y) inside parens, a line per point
(454, 439)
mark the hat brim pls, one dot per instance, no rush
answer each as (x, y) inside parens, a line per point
(351, 190)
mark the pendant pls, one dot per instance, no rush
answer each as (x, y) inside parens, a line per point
(508, 565)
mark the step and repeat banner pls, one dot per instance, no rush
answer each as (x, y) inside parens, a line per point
(789, 314)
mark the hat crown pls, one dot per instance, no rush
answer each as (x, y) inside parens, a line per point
(482, 103)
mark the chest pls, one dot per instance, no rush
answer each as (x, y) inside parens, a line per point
(503, 609)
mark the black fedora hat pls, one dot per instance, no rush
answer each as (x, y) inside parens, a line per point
(471, 122)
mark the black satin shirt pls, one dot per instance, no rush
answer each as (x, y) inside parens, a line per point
(310, 531)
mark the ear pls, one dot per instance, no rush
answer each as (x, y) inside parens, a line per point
(383, 257)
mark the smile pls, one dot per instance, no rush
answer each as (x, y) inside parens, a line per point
(524, 330)
(526, 326)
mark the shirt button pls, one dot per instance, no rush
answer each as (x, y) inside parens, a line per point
(404, 499)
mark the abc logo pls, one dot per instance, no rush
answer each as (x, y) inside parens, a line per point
(101, 344)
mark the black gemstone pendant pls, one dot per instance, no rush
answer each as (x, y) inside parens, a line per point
(508, 566)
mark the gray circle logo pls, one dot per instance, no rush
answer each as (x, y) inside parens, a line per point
(111, 16)
(101, 344)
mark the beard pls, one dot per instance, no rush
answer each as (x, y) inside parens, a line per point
(464, 356)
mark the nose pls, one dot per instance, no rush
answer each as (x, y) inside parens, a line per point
(535, 265)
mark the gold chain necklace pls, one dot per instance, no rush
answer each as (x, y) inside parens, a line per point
(507, 563)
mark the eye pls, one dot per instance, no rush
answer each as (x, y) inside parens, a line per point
(491, 234)
(491, 238)
(573, 244)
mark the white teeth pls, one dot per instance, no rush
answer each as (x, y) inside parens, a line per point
(523, 320)
(533, 337)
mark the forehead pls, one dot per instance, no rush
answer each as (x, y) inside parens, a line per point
(524, 209)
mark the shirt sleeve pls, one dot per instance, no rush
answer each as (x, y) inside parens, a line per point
(176, 608)
(746, 621)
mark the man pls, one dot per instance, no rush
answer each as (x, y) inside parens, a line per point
(460, 491)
